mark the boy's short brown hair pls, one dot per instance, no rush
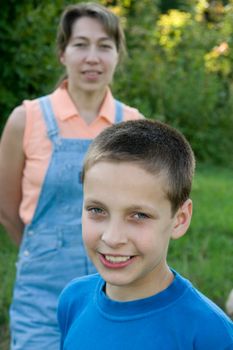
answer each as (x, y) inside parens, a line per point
(155, 146)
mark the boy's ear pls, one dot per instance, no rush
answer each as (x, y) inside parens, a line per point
(182, 219)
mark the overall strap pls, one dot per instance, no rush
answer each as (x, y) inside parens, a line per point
(119, 112)
(49, 118)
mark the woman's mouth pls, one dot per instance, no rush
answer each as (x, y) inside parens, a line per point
(91, 75)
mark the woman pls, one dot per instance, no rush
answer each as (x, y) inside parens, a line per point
(41, 155)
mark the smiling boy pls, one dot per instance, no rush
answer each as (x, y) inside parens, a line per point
(137, 180)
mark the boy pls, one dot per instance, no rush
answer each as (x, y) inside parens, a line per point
(137, 179)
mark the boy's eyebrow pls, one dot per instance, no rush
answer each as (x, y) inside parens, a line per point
(91, 201)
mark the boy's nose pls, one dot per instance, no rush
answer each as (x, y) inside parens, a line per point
(114, 235)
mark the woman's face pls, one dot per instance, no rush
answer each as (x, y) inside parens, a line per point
(90, 57)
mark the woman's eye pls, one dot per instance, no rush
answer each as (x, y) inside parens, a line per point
(105, 46)
(80, 45)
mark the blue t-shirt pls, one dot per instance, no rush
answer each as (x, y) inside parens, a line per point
(178, 318)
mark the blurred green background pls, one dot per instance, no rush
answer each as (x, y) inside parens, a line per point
(179, 70)
(179, 65)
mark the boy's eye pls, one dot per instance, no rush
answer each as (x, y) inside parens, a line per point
(140, 216)
(95, 211)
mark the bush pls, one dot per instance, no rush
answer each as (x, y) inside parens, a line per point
(179, 68)
(170, 76)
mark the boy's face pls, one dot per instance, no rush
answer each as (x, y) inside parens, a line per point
(127, 225)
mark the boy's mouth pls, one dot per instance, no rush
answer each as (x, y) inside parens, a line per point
(116, 259)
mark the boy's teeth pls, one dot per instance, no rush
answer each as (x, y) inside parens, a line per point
(117, 259)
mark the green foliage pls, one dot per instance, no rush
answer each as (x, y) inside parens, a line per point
(179, 66)
(166, 5)
(172, 75)
(28, 52)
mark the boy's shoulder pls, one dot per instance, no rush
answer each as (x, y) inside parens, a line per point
(74, 298)
(81, 286)
(203, 316)
(204, 307)
(78, 293)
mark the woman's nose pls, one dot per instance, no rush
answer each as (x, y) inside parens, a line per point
(92, 55)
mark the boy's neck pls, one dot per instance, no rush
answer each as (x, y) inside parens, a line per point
(141, 291)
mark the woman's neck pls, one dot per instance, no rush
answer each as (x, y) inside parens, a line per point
(87, 103)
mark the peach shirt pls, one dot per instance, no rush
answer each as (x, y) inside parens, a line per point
(37, 147)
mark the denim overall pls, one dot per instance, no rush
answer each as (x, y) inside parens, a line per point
(52, 252)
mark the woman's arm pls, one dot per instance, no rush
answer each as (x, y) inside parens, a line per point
(11, 169)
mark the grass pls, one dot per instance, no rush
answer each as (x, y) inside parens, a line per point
(7, 273)
(203, 255)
